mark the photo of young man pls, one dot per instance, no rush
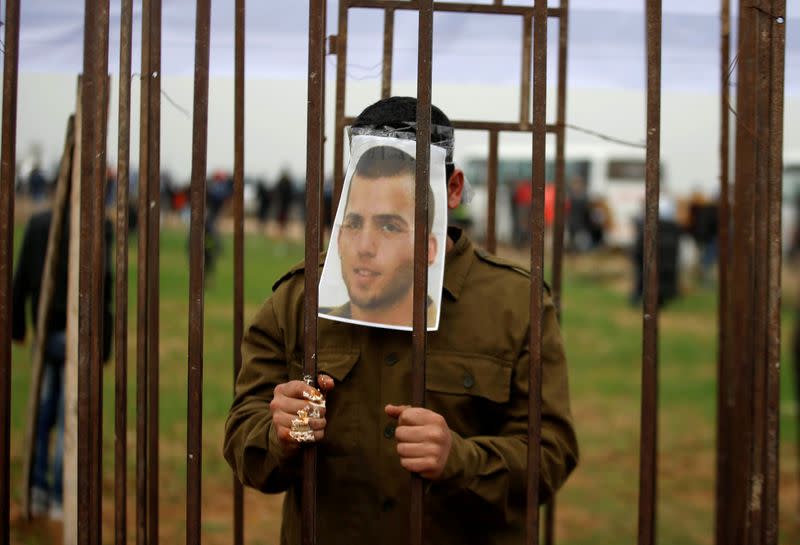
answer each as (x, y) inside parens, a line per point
(369, 272)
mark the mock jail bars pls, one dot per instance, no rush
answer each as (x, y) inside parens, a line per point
(8, 148)
(238, 238)
(648, 450)
(750, 508)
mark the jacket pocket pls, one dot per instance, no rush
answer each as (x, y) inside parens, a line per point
(469, 374)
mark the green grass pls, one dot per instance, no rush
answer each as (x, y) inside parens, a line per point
(604, 345)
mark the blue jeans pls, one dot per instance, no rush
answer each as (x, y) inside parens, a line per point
(51, 415)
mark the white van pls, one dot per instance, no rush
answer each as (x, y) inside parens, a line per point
(790, 209)
(615, 177)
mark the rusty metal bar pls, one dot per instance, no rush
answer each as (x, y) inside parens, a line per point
(314, 172)
(459, 7)
(419, 335)
(561, 119)
(99, 261)
(341, 120)
(194, 434)
(7, 178)
(649, 417)
(388, 48)
(775, 192)
(238, 239)
(121, 292)
(525, 81)
(537, 268)
(558, 227)
(763, 101)
(91, 268)
(491, 178)
(742, 276)
(721, 509)
(148, 288)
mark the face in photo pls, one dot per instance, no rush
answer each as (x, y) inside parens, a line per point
(368, 276)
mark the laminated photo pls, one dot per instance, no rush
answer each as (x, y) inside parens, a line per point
(368, 276)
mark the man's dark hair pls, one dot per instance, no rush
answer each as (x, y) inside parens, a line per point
(388, 161)
(398, 112)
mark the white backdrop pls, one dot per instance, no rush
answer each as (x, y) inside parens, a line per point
(606, 42)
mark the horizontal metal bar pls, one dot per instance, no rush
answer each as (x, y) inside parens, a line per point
(453, 7)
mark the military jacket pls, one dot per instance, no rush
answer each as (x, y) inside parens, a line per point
(476, 377)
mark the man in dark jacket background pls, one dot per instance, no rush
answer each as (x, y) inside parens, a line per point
(47, 475)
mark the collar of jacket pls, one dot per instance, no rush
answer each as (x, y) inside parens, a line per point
(457, 262)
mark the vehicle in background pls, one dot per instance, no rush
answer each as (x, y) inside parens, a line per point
(790, 209)
(613, 178)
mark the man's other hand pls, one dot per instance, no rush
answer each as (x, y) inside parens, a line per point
(288, 399)
(423, 440)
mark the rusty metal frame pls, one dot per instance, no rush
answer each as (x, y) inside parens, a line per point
(747, 501)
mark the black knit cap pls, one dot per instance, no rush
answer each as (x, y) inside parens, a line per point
(399, 113)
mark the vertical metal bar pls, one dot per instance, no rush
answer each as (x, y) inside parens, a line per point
(491, 177)
(525, 81)
(238, 240)
(341, 80)
(558, 228)
(91, 212)
(649, 423)
(121, 293)
(561, 119)
(99, 260)
(537, 267)
(419, 335)
(743, 276)
(194, 433)
(7, 180)
(388, 48)
(762, 137)
(141, 287)
(316, 99)
(149, 212)
(721, 511)
(773, 330)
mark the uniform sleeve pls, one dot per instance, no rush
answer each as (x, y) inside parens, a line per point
(493, 468)
(22, 287)
(251, 444)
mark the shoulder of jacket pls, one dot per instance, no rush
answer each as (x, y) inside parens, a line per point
(506, 264)
(294, 271)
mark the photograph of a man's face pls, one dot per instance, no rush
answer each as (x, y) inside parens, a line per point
(368, 276)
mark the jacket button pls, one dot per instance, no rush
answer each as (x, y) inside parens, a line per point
(388, 431)
(388, 505)
(392, 358)
(469, 381)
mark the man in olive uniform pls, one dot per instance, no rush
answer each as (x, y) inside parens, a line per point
(469, 442)
(376, 240)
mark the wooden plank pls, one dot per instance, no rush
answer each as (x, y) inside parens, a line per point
(71, 360)
(46, 291)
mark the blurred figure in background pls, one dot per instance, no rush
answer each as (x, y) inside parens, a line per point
(703, 226)
(47, 468)
(669, 232)
(263, 198)
(284, 193)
